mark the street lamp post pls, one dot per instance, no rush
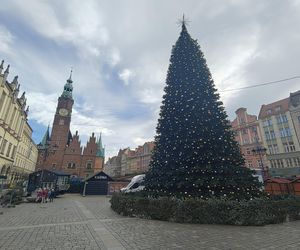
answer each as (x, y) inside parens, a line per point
(260, 151)
(84, 188)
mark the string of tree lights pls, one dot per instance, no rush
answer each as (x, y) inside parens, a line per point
(195, 153)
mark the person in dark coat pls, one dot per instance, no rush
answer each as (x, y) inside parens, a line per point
(51, 195)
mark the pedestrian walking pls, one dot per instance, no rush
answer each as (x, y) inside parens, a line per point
(51, 196)
(44, 195)
(39, 195)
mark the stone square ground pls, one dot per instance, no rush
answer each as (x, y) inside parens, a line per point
(75, 222)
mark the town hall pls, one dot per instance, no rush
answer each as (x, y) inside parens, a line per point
(62, 151)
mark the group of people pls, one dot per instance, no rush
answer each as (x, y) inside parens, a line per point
(44, 195)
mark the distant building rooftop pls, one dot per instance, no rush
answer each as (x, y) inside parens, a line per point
(274, 108)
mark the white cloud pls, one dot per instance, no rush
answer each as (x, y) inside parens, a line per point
(142, 140)
(73, 23)
(126, 75)
(42, 107)
(114, 57)
(132, 40)
(6, 40)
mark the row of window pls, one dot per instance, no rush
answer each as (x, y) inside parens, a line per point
(289, 162)
(250, 163)
(273, 149)
(20, 163)
(277, 109)
(12, 121)
(249, 151)
(72, 165)
(24, 151)
(245, 131)
(267, 123)
(288, 147)
(10, 150)
(284, 132)
(250, 140)
(277, 163)
(24, 164)
(270, 135)
(282, 118)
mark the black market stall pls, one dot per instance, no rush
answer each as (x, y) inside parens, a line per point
(96, 184)
(48, 179)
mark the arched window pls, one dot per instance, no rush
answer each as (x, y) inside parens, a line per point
(8, 171)
(3, 170)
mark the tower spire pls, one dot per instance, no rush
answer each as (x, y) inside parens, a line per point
(100, 148)
(68, 88)
(1, 66)
(70, 77)
(6, 72)
(7, 69)
(14, 83)
(46, 138)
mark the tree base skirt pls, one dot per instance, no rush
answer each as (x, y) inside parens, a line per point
(257, 212)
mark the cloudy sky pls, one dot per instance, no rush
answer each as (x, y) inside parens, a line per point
(120, 51)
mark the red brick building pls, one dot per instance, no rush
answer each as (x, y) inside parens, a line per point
(62, 151)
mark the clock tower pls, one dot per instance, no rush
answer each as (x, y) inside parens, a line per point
(62, 151)
(60, 133)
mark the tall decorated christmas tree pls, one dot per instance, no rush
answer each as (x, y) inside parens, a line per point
(195, 153)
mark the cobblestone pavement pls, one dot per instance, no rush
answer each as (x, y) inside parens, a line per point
(74, 222)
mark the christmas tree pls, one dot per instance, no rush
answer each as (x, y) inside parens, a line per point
(195, 153)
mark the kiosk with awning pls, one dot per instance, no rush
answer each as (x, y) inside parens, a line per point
(96, 184)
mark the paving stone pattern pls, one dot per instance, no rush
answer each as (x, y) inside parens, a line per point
(75, 222)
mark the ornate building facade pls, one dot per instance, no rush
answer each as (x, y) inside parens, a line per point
(27, 153)
(18, 152)
(62, 151)
(248, 135)
(130, 162)
(280, 126)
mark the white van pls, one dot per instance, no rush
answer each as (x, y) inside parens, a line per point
(136, 184)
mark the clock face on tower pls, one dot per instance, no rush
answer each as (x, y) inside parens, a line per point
(63, 112)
